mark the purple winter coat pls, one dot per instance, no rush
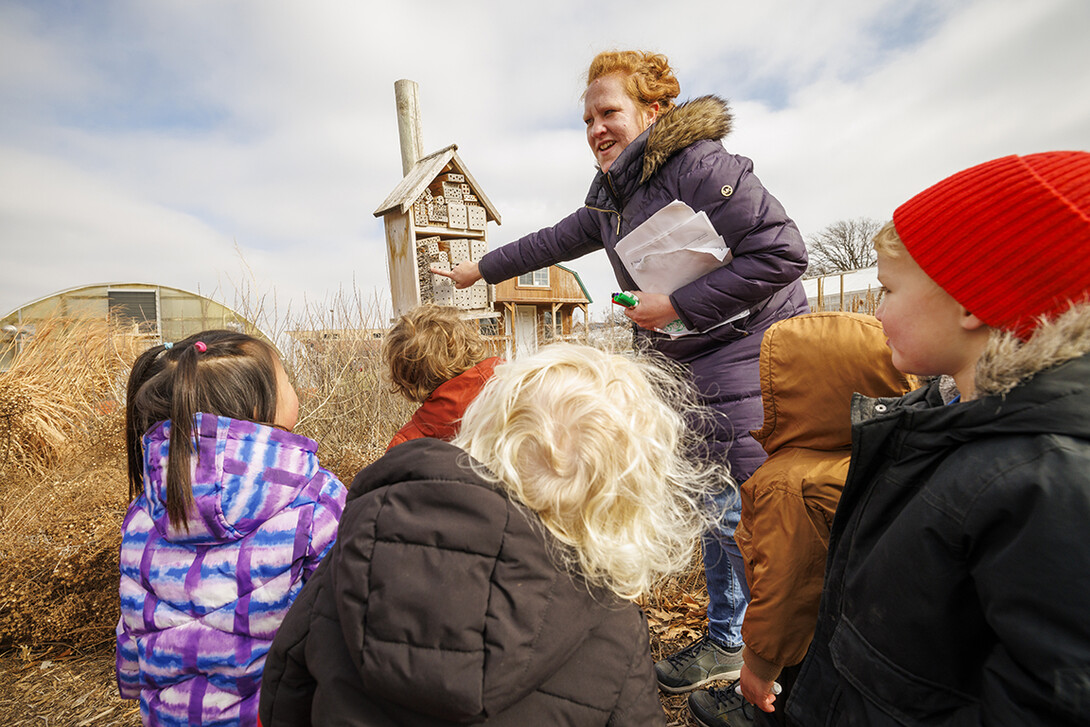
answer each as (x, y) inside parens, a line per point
(680, 157)
(199, 608)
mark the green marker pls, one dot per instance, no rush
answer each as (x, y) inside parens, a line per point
(628, 300)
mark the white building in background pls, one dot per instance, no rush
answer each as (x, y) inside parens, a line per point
(155, 313)
(857, 291)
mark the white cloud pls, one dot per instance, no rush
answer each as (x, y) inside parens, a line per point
(165, 140)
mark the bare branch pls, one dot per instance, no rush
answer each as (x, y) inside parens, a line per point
(843, 245)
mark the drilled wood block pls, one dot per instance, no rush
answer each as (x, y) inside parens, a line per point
(463, 298)
(457, 218)
(452, 177)
(420, 211)
(431, 244)
(452, 192)
(437, 211)
(478, 294)
(459, 251)
(442, 287)
(477, 249)
(424, 276)
(477, 219)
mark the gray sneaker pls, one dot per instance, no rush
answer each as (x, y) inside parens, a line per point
(696, 665)
(721, 707)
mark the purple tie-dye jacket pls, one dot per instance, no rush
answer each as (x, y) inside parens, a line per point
(199, 609)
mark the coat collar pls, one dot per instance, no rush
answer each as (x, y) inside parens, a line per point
(704, 118)
(419, 459)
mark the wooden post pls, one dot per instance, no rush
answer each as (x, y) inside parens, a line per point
(408, 123)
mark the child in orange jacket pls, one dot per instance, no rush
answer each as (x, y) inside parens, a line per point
(436, 357)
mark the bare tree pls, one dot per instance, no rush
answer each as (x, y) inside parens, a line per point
(843, 245)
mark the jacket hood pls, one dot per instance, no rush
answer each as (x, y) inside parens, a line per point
(1007, 361)
(706, 117)
(810, 367)
(447, 596)
(440, 415)
(244, 474)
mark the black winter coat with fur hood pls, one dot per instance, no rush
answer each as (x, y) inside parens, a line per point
(957, 587)
(681, 157)
(440, 605)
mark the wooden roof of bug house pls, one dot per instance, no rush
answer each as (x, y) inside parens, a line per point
(423, 173)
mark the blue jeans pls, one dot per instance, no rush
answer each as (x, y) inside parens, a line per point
(725, 571)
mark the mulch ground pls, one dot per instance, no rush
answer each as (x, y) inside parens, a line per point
(70, 690)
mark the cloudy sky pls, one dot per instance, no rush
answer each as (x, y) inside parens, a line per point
(241, 147)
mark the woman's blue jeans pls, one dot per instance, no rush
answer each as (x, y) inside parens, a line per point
(725, 571)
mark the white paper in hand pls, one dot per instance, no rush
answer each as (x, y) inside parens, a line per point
(670, 249)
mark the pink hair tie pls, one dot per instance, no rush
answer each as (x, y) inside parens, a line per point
(200, 346)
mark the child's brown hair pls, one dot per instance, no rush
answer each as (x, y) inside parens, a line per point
(428, 346)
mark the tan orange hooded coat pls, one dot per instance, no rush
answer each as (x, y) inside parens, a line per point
(810, 367)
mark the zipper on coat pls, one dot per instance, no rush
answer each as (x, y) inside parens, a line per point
(608, 212)
(616, 202)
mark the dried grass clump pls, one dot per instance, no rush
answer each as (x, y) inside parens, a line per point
(66, 688)
(62, 482)
(59, 580)
(64, 384)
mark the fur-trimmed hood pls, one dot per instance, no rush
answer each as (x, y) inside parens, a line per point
(1007, 361)
(706, 117)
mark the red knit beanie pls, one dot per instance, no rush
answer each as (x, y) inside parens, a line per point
(1008, 239)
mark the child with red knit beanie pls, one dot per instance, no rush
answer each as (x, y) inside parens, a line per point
(957, 588)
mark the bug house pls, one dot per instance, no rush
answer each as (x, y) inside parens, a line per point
(436, 217)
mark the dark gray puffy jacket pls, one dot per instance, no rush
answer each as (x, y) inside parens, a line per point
(680, 157)
(440, 605)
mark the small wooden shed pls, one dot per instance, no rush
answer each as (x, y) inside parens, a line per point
(538, 307)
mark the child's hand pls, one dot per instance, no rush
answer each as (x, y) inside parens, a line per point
(756, 690)
(464, 274)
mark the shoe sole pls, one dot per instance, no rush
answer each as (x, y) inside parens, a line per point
(724, 677)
